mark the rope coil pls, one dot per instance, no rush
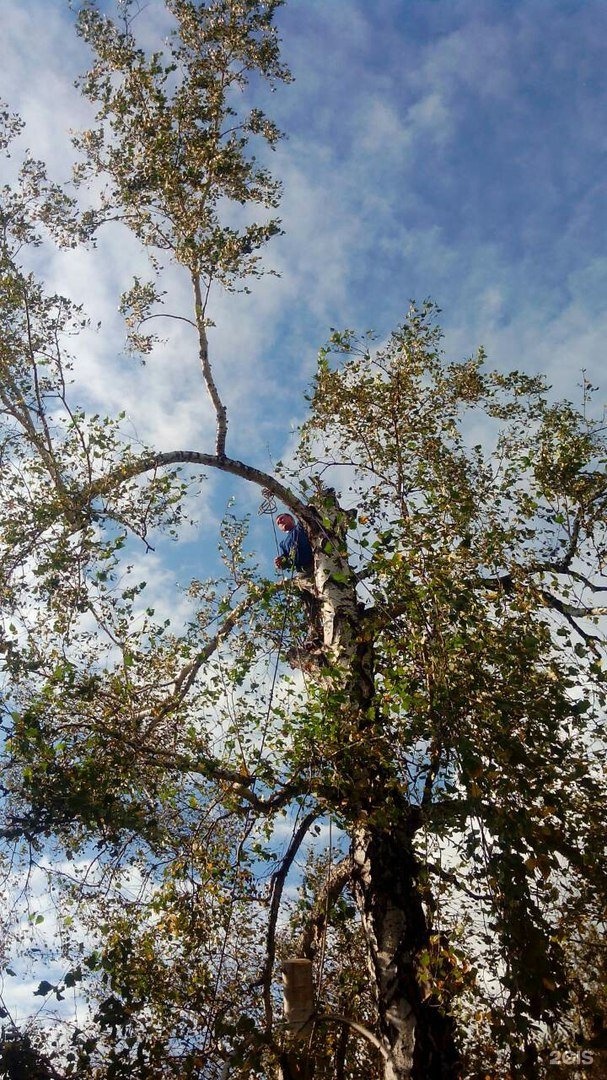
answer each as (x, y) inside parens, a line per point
(268, 503)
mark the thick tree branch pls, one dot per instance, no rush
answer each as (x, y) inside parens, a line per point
(241, 784)
(582, 611)
(435, 756)
(564, 563)
(153, 462)
(335, 882)
(575, 575)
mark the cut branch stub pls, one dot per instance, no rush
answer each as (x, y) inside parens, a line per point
(298, 996)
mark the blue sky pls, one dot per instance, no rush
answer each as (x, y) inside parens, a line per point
(444, 148)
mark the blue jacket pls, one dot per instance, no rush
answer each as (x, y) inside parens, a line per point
(296, 549)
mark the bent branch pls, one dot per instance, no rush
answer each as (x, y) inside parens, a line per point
(153, 462)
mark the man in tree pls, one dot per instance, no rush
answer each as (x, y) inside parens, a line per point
(296, 553)
(295, 549)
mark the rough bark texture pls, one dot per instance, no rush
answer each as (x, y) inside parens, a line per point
(417, 1036)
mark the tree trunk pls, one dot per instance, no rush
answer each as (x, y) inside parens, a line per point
(418, 1036)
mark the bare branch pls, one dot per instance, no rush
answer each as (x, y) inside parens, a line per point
(435, 755)
(564, 563)
(455, 879)
(278, 883)
(153, 462)
(336, 1018)
(576, 612)
(168, 315)
(242, 785)
(575, 575)
(570, 614)
(207, 371)
(185, 680)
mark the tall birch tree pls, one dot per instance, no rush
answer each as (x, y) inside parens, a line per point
(445, 727)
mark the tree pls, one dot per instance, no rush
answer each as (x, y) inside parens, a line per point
(448, 725)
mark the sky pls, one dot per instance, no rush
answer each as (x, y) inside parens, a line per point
(453, 149)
